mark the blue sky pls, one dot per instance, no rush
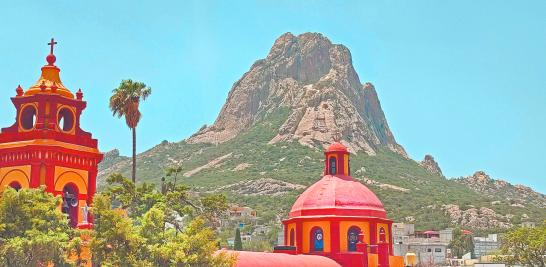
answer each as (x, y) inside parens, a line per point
(462, 80)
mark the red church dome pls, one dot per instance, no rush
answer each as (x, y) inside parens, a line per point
(336, 147)
(338, 195)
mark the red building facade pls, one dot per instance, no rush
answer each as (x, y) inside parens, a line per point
(46, 146)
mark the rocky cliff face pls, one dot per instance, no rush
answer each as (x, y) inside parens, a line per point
(431, 165)
(306, 91)
(316, 80)
(516, 195)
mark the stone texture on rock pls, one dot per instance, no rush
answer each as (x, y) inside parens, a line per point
(260, 187)
(316, 80)
(431, 165)
(516, 195)
(476, 218)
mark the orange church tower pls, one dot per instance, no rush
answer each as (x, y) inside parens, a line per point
(46, 146)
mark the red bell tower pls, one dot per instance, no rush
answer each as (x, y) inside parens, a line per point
(46, 146)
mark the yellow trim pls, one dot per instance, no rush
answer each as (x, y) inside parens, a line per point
(386, 227)
(346, 163)
(23, 107)
(73, 111)
(289, 228)
(307, 226)
(50, 75)
(344, 229)
(19, 174)
(49, 142)
(64, 176)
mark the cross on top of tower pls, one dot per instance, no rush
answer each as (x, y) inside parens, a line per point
(52, 44)
(51, 58)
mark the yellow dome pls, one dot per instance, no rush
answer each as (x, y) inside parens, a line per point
(50, 81)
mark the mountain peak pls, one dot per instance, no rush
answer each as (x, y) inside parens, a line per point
(431, 165)
(316, 81)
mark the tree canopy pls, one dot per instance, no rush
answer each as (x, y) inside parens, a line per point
(33, 230)
(153, 228)
(461, 243)
(145, 227)
(525, 246)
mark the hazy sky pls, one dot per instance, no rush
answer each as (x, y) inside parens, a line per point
(462, 80)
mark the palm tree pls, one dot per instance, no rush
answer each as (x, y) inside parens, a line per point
(124, 102)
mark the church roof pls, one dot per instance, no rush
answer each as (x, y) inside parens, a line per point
(337, 147)
(338, 195)
(50, 80)
(265, 259)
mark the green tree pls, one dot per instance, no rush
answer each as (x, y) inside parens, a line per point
(173, 172)
(124, 102)
(147, 241)
(214, 208)
(33, 230)
(135, 199)
(525, 246)
(160, 229)
(238, 243)
(115, 241)
(461, 243)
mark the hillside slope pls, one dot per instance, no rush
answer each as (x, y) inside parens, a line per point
(266, 145)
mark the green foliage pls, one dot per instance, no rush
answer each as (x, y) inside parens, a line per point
(461, 243)
(214, 207)
(237, 243)
(33, 230)
(115, 241)
(525, 246)
(144, 237)
(125, 99)
(135, 199)
(426, 192)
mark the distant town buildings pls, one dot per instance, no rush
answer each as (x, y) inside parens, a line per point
(236, 211)
(428, 247)
(486, 245)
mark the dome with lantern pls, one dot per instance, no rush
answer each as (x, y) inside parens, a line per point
(337, 194)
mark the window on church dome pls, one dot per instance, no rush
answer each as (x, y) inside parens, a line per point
(333, 169)
(382, 237)
(317, 242)
(28, 117)
(65, 119)
(352, 237)
(292, 236)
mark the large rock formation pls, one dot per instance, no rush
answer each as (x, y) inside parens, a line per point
(316, 80)
(516, 195)
(306, 91)
(431, 165)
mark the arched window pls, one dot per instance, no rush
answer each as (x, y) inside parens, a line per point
(70, 203)
(333, 169)
(65, 119)
(382, 237)
(317, 239)
(352, 238)
(28, 117)
(15, 185)
(292, 236)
